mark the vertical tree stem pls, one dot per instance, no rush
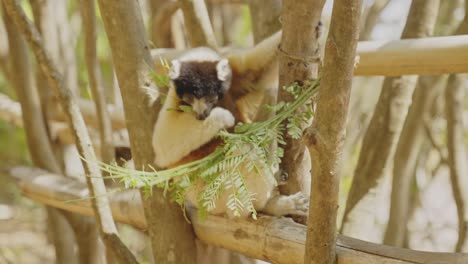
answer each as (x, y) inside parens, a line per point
(298, 61)
(325, 138)
(171, 236)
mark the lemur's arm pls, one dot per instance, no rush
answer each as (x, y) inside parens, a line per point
(255, 58)
(172, 141)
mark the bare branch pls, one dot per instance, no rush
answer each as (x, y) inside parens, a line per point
(95, 81)
(88, 110)
(95, 183)
(371, 18)
(434, 143)
(197, 22)
(457, 157)
(161, 32)
(265, 18)
(10, 111)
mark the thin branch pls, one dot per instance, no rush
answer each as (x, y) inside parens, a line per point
(10, 111)
(94, 76)
(265, 18)
(76, 122)
(88, 110)
(371, 18)
(161, 22)
(197, 22)
(457, 157)
(434, 142)
(325, 137)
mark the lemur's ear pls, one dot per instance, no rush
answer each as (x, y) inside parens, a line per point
(175, 70)
(223, 69)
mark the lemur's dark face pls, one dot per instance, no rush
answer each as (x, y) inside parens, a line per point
(201, 84)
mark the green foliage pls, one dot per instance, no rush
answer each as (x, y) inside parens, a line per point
(246, 150)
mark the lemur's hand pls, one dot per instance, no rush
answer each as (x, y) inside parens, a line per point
(222, 117)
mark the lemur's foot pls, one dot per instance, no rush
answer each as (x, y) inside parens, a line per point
(301, 204)
(295, 204)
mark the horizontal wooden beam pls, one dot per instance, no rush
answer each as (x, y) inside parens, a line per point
(279, 240)
(88, 110)
(437, 55)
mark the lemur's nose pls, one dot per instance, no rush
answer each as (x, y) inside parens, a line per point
(202, 116)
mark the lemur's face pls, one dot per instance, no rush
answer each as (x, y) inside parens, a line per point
(201, 84)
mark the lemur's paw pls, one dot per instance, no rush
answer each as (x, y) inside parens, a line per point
(301, 204)
(223, 116)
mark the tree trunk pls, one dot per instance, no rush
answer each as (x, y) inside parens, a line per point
(172, 237)
(325, 138)
(298, 61)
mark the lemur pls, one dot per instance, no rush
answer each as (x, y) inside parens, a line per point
(212, 85)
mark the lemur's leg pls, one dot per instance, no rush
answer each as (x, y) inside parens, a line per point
(296, 204)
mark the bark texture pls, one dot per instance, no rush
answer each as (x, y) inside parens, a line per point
(171, 236)
(387, 120)
(325, 138)
(298, 61)
(76, 122)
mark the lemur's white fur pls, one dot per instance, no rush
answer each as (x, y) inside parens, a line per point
(176, 134)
